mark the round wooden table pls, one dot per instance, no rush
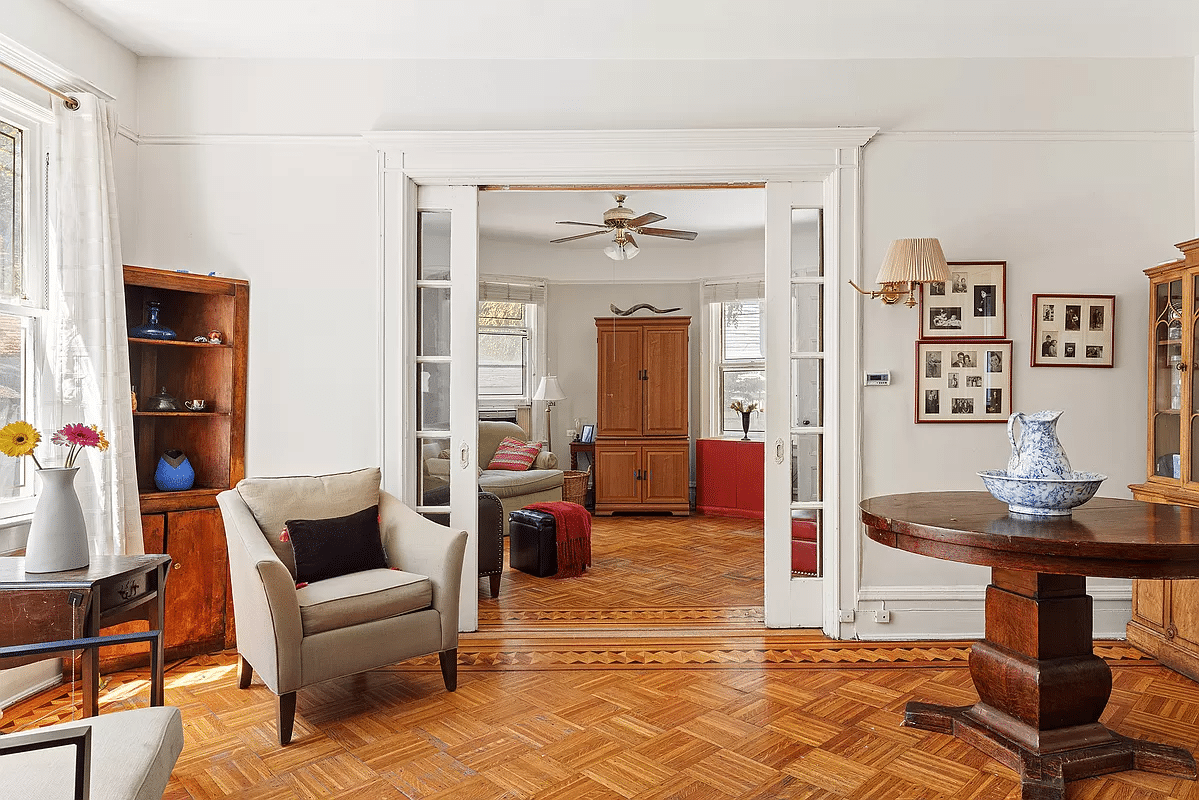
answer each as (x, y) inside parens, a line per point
(1041, 688)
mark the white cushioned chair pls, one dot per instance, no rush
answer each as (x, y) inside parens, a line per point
(295, 637)
(128, 755)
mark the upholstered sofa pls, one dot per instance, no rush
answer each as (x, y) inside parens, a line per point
(540, 483)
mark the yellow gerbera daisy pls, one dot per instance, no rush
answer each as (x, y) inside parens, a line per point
(103, 439)
(18, 439)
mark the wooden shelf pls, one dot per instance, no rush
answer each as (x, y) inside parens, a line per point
(187, 524)
(180, 343)
(181, 414)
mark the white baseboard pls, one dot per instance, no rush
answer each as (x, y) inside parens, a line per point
(956, 612)
(20, 682)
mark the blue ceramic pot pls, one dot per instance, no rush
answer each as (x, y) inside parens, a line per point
(174, 472)
(152, 329)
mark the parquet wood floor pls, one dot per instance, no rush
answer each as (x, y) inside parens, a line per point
(716, 731)
(658, 572)
(625, 684)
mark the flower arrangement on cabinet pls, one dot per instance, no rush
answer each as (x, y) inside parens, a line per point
(21, 439)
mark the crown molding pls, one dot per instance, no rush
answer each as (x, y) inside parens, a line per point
(167, 139)
(24, 60)
(1040, 136)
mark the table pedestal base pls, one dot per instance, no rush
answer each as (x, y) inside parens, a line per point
(1041, 691)
(1043, 776)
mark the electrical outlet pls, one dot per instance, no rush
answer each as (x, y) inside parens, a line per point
(882, 615)
(845, 615)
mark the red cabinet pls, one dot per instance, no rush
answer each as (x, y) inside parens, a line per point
(728, 480)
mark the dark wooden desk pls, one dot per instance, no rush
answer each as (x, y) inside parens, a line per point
(37, 607)
(1041, 688)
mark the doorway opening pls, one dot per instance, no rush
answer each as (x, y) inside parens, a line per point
(649, 570)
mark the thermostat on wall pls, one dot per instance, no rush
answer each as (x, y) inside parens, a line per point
(878, 378)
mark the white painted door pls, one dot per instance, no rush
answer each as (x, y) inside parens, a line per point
(801, 441)
(444, 311)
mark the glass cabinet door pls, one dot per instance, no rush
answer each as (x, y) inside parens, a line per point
(1169, 370)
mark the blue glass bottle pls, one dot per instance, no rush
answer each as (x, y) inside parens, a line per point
(152, 329)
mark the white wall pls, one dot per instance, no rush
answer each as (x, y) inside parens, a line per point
(46, 29)
(1078, 172)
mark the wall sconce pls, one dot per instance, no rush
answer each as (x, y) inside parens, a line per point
(907, 264)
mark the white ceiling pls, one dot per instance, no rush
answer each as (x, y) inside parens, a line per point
(531, 217)
(650, 29)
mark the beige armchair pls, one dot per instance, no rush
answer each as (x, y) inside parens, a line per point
(295, 637)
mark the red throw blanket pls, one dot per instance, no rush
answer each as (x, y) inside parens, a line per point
(572, 526)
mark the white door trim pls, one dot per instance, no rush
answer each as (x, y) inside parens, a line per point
(831, 155)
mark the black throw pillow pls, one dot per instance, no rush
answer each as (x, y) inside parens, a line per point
(326, 548)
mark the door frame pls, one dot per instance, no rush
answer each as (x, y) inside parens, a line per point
(572, 158)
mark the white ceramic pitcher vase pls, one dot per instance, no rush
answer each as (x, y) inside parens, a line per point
(1037, 453)
(57, 535)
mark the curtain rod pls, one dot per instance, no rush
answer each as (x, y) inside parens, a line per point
(69, 101)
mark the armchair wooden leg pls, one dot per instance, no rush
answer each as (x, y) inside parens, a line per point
(244, 672)
(285, 717)
(495, 585)
(449, 668)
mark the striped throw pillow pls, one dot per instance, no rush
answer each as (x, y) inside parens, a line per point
(513, 454)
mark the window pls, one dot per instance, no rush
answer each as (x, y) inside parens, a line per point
(22, 281)
(737, 317)
(504, 350)
(508, 344)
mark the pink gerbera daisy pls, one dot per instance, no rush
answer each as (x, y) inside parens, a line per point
(77, 435)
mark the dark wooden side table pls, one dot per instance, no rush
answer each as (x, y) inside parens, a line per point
(50, 606)
(1041, 688)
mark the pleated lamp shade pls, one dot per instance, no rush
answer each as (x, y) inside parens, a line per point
(913, 261)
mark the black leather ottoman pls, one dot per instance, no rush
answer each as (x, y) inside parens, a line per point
(533, 542)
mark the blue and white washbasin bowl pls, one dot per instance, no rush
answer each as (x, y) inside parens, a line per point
(1042, 497)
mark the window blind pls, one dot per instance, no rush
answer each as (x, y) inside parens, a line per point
(732, 291)
(512, 290)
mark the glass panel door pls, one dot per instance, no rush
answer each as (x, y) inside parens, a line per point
(800, 457)
(444, 376)
(1168, 373)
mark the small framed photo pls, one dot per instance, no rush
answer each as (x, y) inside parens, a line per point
(587, 436)
(964, 381)
(972, 304)
(1073, 330)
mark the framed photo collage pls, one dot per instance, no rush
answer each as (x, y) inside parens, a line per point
(963, 362)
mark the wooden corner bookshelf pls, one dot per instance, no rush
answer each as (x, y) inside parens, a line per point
(187, 524)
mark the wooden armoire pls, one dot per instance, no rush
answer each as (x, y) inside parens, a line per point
(642, 445)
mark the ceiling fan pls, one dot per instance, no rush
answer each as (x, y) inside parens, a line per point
(623, 222)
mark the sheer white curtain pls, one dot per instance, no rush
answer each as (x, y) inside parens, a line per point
(90, 363)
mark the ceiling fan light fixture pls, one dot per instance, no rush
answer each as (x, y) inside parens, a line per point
(622, 248)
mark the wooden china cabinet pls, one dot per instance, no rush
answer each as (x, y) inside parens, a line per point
(187, 524)
(642, 446)
(1165, 613)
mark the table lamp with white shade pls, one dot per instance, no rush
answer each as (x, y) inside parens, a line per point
(549, 391)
